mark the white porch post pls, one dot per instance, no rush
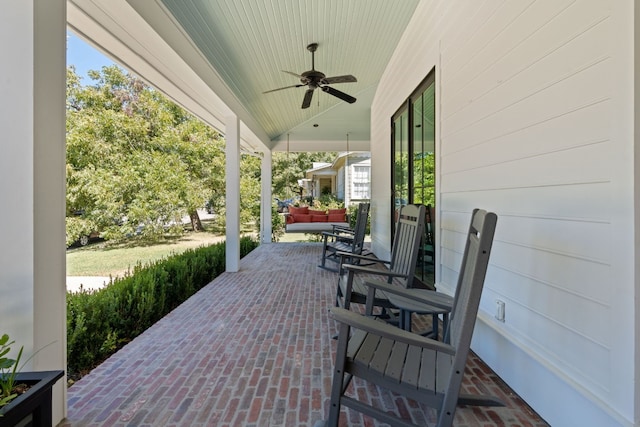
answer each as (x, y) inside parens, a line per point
(32, 183)
(265, 203)
(347, 183)
(232, 138)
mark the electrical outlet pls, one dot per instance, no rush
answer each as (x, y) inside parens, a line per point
(500, 310)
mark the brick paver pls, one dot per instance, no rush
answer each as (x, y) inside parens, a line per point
(253, 348)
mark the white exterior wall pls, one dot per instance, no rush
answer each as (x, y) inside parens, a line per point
(535, 110)
(32, 185)
(341, 185)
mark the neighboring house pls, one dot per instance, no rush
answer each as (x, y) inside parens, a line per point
(532, 109)
(348, 178)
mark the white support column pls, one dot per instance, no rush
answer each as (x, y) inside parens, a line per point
(32, 183)
(347, 183)
(265, 203)
(232, 138)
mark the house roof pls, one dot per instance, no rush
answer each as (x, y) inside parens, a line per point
(330, 169)
(217, 57)
(323, 169)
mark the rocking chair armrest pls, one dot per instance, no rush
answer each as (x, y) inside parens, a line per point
(327, 234)
(330, 240)
(421, 296)
(367, 258)
(343, 229)
(363, 269)
(386, 330)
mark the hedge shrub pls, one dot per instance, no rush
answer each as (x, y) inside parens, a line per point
(352, 210)
(99, 322)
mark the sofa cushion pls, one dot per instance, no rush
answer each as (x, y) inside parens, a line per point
(301, 218)
(337, 217)
(337, 211)
(301, 210)
(316, 212)
(319, 218)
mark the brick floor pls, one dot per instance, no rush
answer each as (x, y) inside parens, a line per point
(254, 348)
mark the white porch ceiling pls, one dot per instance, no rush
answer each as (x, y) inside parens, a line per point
(239, 47)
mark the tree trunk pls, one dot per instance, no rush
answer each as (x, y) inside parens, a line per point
(196, 224)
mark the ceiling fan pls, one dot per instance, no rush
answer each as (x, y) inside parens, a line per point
(316, 80)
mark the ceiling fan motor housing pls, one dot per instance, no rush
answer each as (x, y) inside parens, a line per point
(312, 78)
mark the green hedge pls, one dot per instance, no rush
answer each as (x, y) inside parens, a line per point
(99, 322)
(352, 210)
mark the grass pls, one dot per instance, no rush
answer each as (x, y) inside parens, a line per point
(300, 237)
(108, 259)
(104, 259)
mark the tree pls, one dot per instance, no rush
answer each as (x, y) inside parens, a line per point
(288, 168)
(250, 188)
(134, 158)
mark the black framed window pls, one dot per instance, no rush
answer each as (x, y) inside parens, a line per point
(414, 166)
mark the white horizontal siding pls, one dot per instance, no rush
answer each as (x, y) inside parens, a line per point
(539, 137)
(386, 103)
(527, 115)
(515, 103)
(531, 114)
(537, 38)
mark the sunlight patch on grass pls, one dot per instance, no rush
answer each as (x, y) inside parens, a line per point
(104, 259)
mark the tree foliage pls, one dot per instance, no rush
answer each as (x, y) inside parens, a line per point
(424, 178)
(137, 163)
(134, 158)
(288, 168)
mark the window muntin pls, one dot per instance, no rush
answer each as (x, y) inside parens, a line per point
(361, 182)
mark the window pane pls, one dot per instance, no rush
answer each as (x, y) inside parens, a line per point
(401, 160)
(423, 156)
(361, 190)
(413, 174)
(423, 147)
(361, 182)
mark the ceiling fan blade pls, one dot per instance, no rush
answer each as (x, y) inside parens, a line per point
(339, 79)
(306, 102)
(292, 73)
(280, 88)
(331, 91)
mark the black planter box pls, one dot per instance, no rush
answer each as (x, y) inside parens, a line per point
(35, 402)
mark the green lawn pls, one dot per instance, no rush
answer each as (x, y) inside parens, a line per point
(106, 259)
(103, 259)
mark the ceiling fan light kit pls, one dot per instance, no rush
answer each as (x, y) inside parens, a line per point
(314, 79)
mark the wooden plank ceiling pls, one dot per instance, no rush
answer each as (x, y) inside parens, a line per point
(250, 42)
